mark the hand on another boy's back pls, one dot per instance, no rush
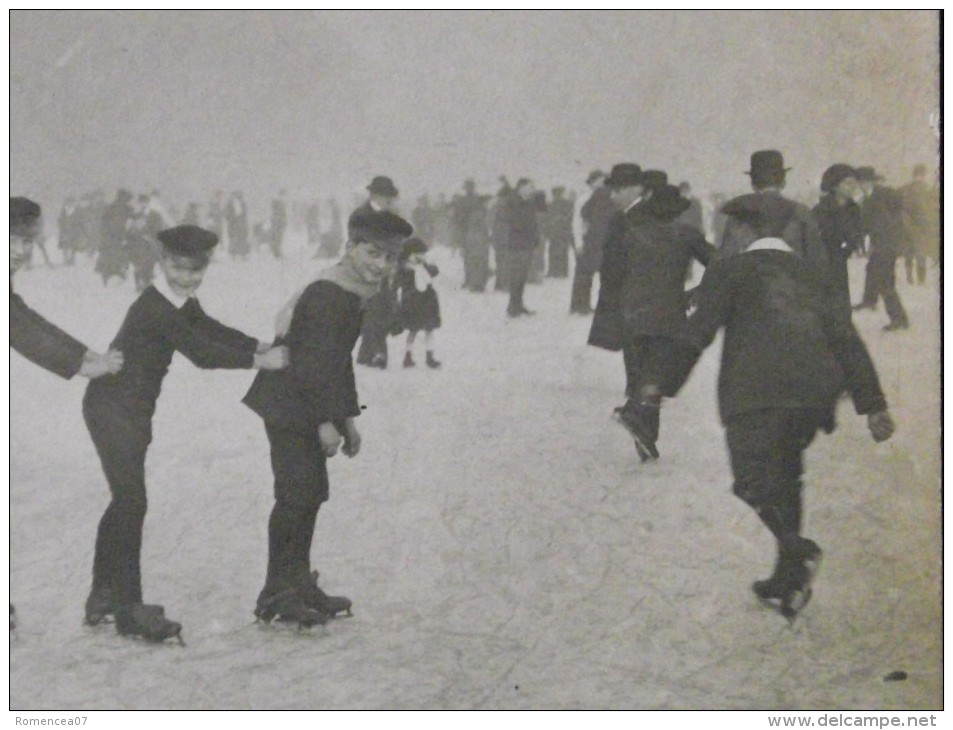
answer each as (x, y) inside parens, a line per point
(274, 359)
(96, 365)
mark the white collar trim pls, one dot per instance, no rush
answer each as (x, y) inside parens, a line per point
(769, 244)
(162, 286)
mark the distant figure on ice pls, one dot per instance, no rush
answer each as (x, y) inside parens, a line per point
(921, 226)
(787, 357)
(422, 219)
(382, 195)
(418, 303)
(279, 223)
(312, 226)
(558, 219)
(521, 239)
(38, 340)
(595, 214)
(113, 257)
(141, 242)
(838, 219)
(118, 410)
(69, 231)
(694, 215)
(333, 238)
(380, 311)
(316, 395)
(471, 236)
(498, 233)
(882, 218)
(236, 223)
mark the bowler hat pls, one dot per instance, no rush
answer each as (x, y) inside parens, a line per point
(767, 168)
(667, 203)
(382, 186)
(867, 174)
(835, 175)
(23, 212)
(380, 227)
(187, 240)
(595, 175)
(624, 175)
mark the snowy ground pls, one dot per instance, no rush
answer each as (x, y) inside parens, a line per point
(502, 545)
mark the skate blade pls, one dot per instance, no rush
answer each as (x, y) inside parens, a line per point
(640, 447)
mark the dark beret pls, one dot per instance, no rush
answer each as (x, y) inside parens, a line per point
(187, 240)
(654, 179)
(23, 212)
(380, 227)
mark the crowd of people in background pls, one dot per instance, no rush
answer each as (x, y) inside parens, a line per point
(776, 279)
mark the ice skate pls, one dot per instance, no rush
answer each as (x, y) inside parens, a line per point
(633, 423)
(147, 621)
(317, 599)
(287, 606)
(432, 362)
(100, 607)
(789, 590)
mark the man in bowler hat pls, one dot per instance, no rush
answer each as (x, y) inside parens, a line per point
(788, 220)
(595, 214)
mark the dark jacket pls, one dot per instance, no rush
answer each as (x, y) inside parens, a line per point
(521, 223)
(42, 342)
(882, 216)
(607, 322)
(790, 221)
(652, 297)
(318, 386)
(151, 333)
(784, 347)
(840, 227)
(596, 214)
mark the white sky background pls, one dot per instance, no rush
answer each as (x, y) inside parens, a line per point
(318, 102)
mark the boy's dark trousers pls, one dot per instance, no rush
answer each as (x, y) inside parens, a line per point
(122, 447)
(767, 460)
(301, 486)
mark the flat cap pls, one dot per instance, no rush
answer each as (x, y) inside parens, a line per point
(187, 240)
(380, 227)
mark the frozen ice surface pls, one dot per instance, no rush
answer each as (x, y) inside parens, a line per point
(502, 544)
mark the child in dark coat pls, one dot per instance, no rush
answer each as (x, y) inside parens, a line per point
(419, 305)
(118, 411)
(309, 411)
